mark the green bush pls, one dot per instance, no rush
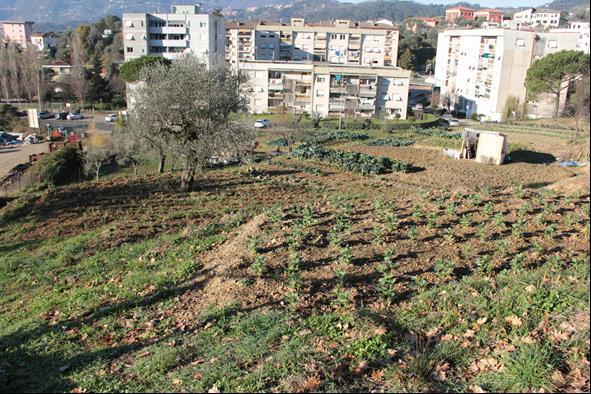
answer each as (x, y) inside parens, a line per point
(59, 167)
(391, 142)
(351, 161)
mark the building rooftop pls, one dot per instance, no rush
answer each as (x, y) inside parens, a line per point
(460, 8)
(56, 63)
(16, 22)
(351, 25)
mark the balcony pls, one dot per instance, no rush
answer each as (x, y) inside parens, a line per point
(337, 88)
(167, 30)
(336, 107)
(366, 91)
(170, 43)
(366, 107)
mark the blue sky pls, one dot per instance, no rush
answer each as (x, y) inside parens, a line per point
(484, 3)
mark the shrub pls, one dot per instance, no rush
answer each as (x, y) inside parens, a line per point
(60, 167)
(352, 161)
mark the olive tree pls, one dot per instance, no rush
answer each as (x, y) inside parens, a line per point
(192, 109)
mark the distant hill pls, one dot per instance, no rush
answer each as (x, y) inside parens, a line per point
(61, 14)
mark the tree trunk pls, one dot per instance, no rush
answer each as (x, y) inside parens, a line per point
(135, 165)
(98, 169)
(161, 163)
(187, 179)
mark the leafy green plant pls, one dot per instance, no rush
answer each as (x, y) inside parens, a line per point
(386, 285)
(451, 208)
(351, 161)
(474, 199)
(259, 265)
(448, 234)
(413, 232)
(487, 209)
(466, 220)
(443, 268)
(59, 167)
(391, 142)
(499, 220)
(378, 234)
(484, 263)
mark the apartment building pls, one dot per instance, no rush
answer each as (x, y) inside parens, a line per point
(329, 89)
(479, 69)
(489, 15)
(44, 40)
(584, 43)
(17, 32)
(183, 30)
(339, 42)
(532, 17)
(454, 13)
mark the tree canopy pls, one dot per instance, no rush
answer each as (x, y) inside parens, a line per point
(191, 108)
(552, 74)
(130, 71)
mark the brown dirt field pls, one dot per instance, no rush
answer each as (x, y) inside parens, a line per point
(437, 171)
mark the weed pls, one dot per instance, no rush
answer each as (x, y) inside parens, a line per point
(502, 246)
(518, 191)
(448, 235)
(499, 220)
(517, 261)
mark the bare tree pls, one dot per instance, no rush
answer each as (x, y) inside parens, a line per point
(15, 77)
(5, 72)
(579, 104)
(95, 156)
(30, 70)
(78, 79)
(194, 109)
(130, 147)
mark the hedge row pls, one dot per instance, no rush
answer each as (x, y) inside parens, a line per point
(392, 141)
(351, 161)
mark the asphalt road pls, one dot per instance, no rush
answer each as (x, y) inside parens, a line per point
(11, 156)
(82, 125)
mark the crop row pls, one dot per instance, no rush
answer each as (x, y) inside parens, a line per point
(352, 161)
(392, 141)
(437, 132)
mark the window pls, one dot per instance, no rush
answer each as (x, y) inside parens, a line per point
(320, 93)
(342, 36)
(129, 49)
(552, 44)
(320, 79)
(271, 46)
(397, 97)
(129, 36)
(520, 42)
(128, 24)
(263, 46)
(202, 24)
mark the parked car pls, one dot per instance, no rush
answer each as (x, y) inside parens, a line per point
(74, 116)
(453, 122)
(44, 115)
(110, 118)
(262, 123)
(61, 115)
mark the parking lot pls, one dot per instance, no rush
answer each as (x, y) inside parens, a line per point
(83, 124)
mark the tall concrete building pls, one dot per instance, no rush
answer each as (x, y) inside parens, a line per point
(339, 42)
(184, 30)
(479, 69)
(17, 32)
(329, 89)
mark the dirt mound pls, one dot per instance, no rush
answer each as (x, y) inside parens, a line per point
(217, 285)
(577, 183)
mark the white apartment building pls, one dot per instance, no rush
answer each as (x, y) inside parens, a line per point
(183, 30)
(533, 17)
(339, 42)
(328, 89)
(584, 34)
(479, 69)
